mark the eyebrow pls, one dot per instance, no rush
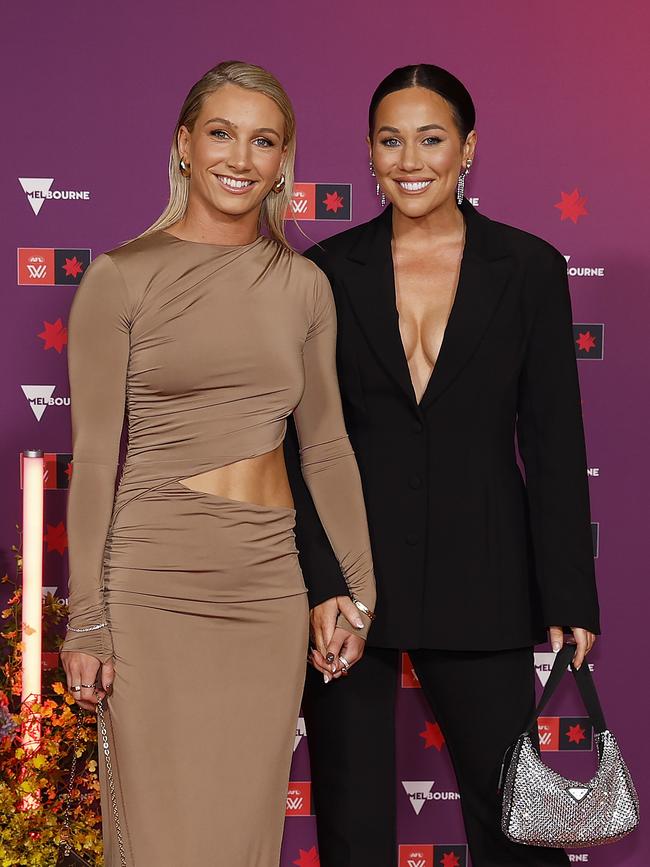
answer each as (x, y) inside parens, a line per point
(419, 129)
(232, 125)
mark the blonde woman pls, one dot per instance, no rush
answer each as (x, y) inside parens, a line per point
(187, 604)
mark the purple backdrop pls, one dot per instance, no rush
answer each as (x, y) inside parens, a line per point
(92, 98)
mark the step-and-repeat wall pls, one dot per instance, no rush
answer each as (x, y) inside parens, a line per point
(92, 94)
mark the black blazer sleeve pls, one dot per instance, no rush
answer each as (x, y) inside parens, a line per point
(551, 443)
(319, 565)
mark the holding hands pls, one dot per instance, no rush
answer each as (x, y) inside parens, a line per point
(335, 650)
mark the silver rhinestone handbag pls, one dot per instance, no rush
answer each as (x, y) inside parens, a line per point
(67, 855)
(542, 808)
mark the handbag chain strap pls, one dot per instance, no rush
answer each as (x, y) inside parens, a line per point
(111, 784)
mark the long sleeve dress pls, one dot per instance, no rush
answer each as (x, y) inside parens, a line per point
(207, 349)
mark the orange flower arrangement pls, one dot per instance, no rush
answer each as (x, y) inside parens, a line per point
(33, 783)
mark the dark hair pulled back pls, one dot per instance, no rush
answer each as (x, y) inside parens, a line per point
(433, 78)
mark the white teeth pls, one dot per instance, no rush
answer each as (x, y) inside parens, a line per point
(414, 185)
(231, 182)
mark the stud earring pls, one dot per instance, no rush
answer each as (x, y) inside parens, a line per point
(378, 189)
(185, 168)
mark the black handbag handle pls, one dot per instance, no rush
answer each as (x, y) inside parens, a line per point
(585, 683)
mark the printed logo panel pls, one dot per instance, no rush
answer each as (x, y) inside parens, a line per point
(57, 470)
(299, 799)
(433, 855)
(320, 202)
(588, 339)
(52, 266)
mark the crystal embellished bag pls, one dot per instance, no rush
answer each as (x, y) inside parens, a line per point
(542, 808)
(67, 855)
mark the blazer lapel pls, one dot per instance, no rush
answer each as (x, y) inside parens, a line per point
(484, 273)
(369, 281)
(370, 285)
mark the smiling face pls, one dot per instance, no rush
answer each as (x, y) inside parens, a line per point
(235, 151)
(417, 150)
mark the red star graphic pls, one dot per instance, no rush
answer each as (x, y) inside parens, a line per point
(73, 267)
(333, 202)
(586, 341)
(572, 206)
(56, 537)
(68, 470)
(308, 859)
(449, 860)
(576, 734)
(432, 736)
(55, 335)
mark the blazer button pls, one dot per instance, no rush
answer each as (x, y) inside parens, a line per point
(412, 538)
(415, 481)
(418, 427)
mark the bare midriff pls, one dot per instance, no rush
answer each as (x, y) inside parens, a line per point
(262, 480)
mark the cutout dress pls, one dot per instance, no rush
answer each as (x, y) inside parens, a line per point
(207, 349)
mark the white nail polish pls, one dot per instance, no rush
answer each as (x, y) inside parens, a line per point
(326, 678)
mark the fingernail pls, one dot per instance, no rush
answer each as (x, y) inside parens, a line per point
(556, 646)
(326, 678)
(333, 669)
(330, 657)
(359, 624)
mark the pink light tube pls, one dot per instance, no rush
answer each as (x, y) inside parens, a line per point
(33, 487)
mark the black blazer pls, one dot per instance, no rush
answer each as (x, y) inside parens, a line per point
(467, 556)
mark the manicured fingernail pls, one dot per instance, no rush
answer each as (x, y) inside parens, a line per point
(359, 624)
(330, 657)
(334, 669)
(556, 646)
(326, 678)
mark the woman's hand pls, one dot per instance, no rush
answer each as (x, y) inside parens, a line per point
(330, 643)
(582, 638)
(82, 670)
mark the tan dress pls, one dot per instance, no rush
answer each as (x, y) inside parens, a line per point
(208, 348)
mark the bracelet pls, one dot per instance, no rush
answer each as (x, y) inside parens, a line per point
(88, 628)
(364, 609)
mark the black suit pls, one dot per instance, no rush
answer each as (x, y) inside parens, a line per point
(471, 564)
(466, 557)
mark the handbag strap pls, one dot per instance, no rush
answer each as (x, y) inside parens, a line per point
(584, 682)
(105, 748)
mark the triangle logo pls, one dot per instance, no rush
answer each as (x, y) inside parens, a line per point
(38, 397)
(578, 793)
(543, 664)
(418, 791)
(36, 190)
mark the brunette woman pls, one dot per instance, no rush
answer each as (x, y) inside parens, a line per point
(454, 331)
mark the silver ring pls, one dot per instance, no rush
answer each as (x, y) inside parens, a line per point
(344, 662)
(75, 689)
(88, 685)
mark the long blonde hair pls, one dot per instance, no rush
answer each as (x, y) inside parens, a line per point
(250, 77)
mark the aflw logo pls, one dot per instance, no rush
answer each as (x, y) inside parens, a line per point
(299, 799)
(37, 272)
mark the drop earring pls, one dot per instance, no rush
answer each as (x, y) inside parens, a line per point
(378, 189)
(460, 187)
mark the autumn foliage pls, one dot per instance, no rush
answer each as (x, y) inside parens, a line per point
(33, 783)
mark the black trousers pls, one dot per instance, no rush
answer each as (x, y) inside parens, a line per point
(351, 736)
